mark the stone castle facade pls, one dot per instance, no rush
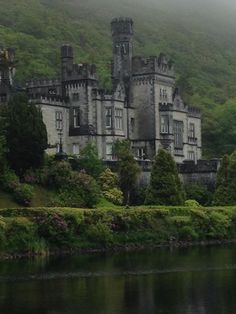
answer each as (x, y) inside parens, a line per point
(144, 105)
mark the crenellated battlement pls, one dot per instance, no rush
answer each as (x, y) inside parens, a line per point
(54, 100)
(81, 72)
(159, 65)
(43, 82)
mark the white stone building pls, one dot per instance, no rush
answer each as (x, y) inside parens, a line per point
(144, 105)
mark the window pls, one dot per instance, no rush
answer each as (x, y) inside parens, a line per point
(191, 155)
(164, 124)
(75, 96)
(76, 117)
(75, 149)
(163, 94)
(108, 117)
(191, 130)
(119, 119)
(178, 134)
(132, 123)
(59, 120)
(109, 153)
(141, 153)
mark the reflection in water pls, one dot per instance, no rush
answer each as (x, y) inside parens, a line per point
(179, 281)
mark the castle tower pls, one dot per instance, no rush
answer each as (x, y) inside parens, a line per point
(67, 59)
(122, 33)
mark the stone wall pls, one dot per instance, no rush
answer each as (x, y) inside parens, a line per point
(203, 172)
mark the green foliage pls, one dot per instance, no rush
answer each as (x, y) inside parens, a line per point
(226, 181)
(165, 187)
(89, 161)
(46, 229)
(25, 142)
(128, 169)
(3, 148)
(109, 186)
(9, 180)
(100, 233)
(114, 196)
(192, 204)
(55, 174)
(73, 188)
(20, 234)
(108, 180)
(23, 194)
(199, 192)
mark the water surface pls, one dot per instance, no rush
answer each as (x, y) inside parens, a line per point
(195, 280)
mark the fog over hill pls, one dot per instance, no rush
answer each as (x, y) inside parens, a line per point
(198, 35)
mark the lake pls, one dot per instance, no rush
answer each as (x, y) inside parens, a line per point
(197, 280)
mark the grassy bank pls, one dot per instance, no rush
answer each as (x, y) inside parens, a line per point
(43, 230)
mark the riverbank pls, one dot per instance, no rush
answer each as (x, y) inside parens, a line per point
(44, 231)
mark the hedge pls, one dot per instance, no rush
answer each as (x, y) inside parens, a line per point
(42, 230)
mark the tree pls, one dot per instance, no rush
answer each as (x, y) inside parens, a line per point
(26, 135)
(2, 147)
(165, 187)
(89, 161)
(128, 169)
(226, 181)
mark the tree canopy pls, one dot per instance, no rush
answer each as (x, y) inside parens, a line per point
(25, 133)
(128, 169)
(165, 187)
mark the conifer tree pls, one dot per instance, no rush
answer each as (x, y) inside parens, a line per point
(225, 193)
(128, 169)
(165, 187)
(26, 135)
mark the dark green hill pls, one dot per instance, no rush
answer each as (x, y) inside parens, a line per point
(198, 35)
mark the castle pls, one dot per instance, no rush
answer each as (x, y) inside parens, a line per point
(144, 105)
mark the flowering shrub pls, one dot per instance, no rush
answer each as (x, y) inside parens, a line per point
(23, 194)
(9, 181)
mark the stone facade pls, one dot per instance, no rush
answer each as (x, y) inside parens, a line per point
(144, 105)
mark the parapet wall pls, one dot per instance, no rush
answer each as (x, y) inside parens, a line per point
(203, 172)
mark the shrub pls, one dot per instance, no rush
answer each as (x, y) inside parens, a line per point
(85, 186)
(56, 174)
(23, 194)
(100, 233)
(52, 227)
(30, 177)
(192, 204)
(2, 233)
(9, 181)
(109, 185)
(219, 225)
(188, 233)
(114, 195)
(108, 180)
(200, 193)
(20, 234)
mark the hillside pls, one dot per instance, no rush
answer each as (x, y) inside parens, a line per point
(200, 38)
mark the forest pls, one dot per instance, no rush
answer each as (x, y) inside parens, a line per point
(199, 37)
